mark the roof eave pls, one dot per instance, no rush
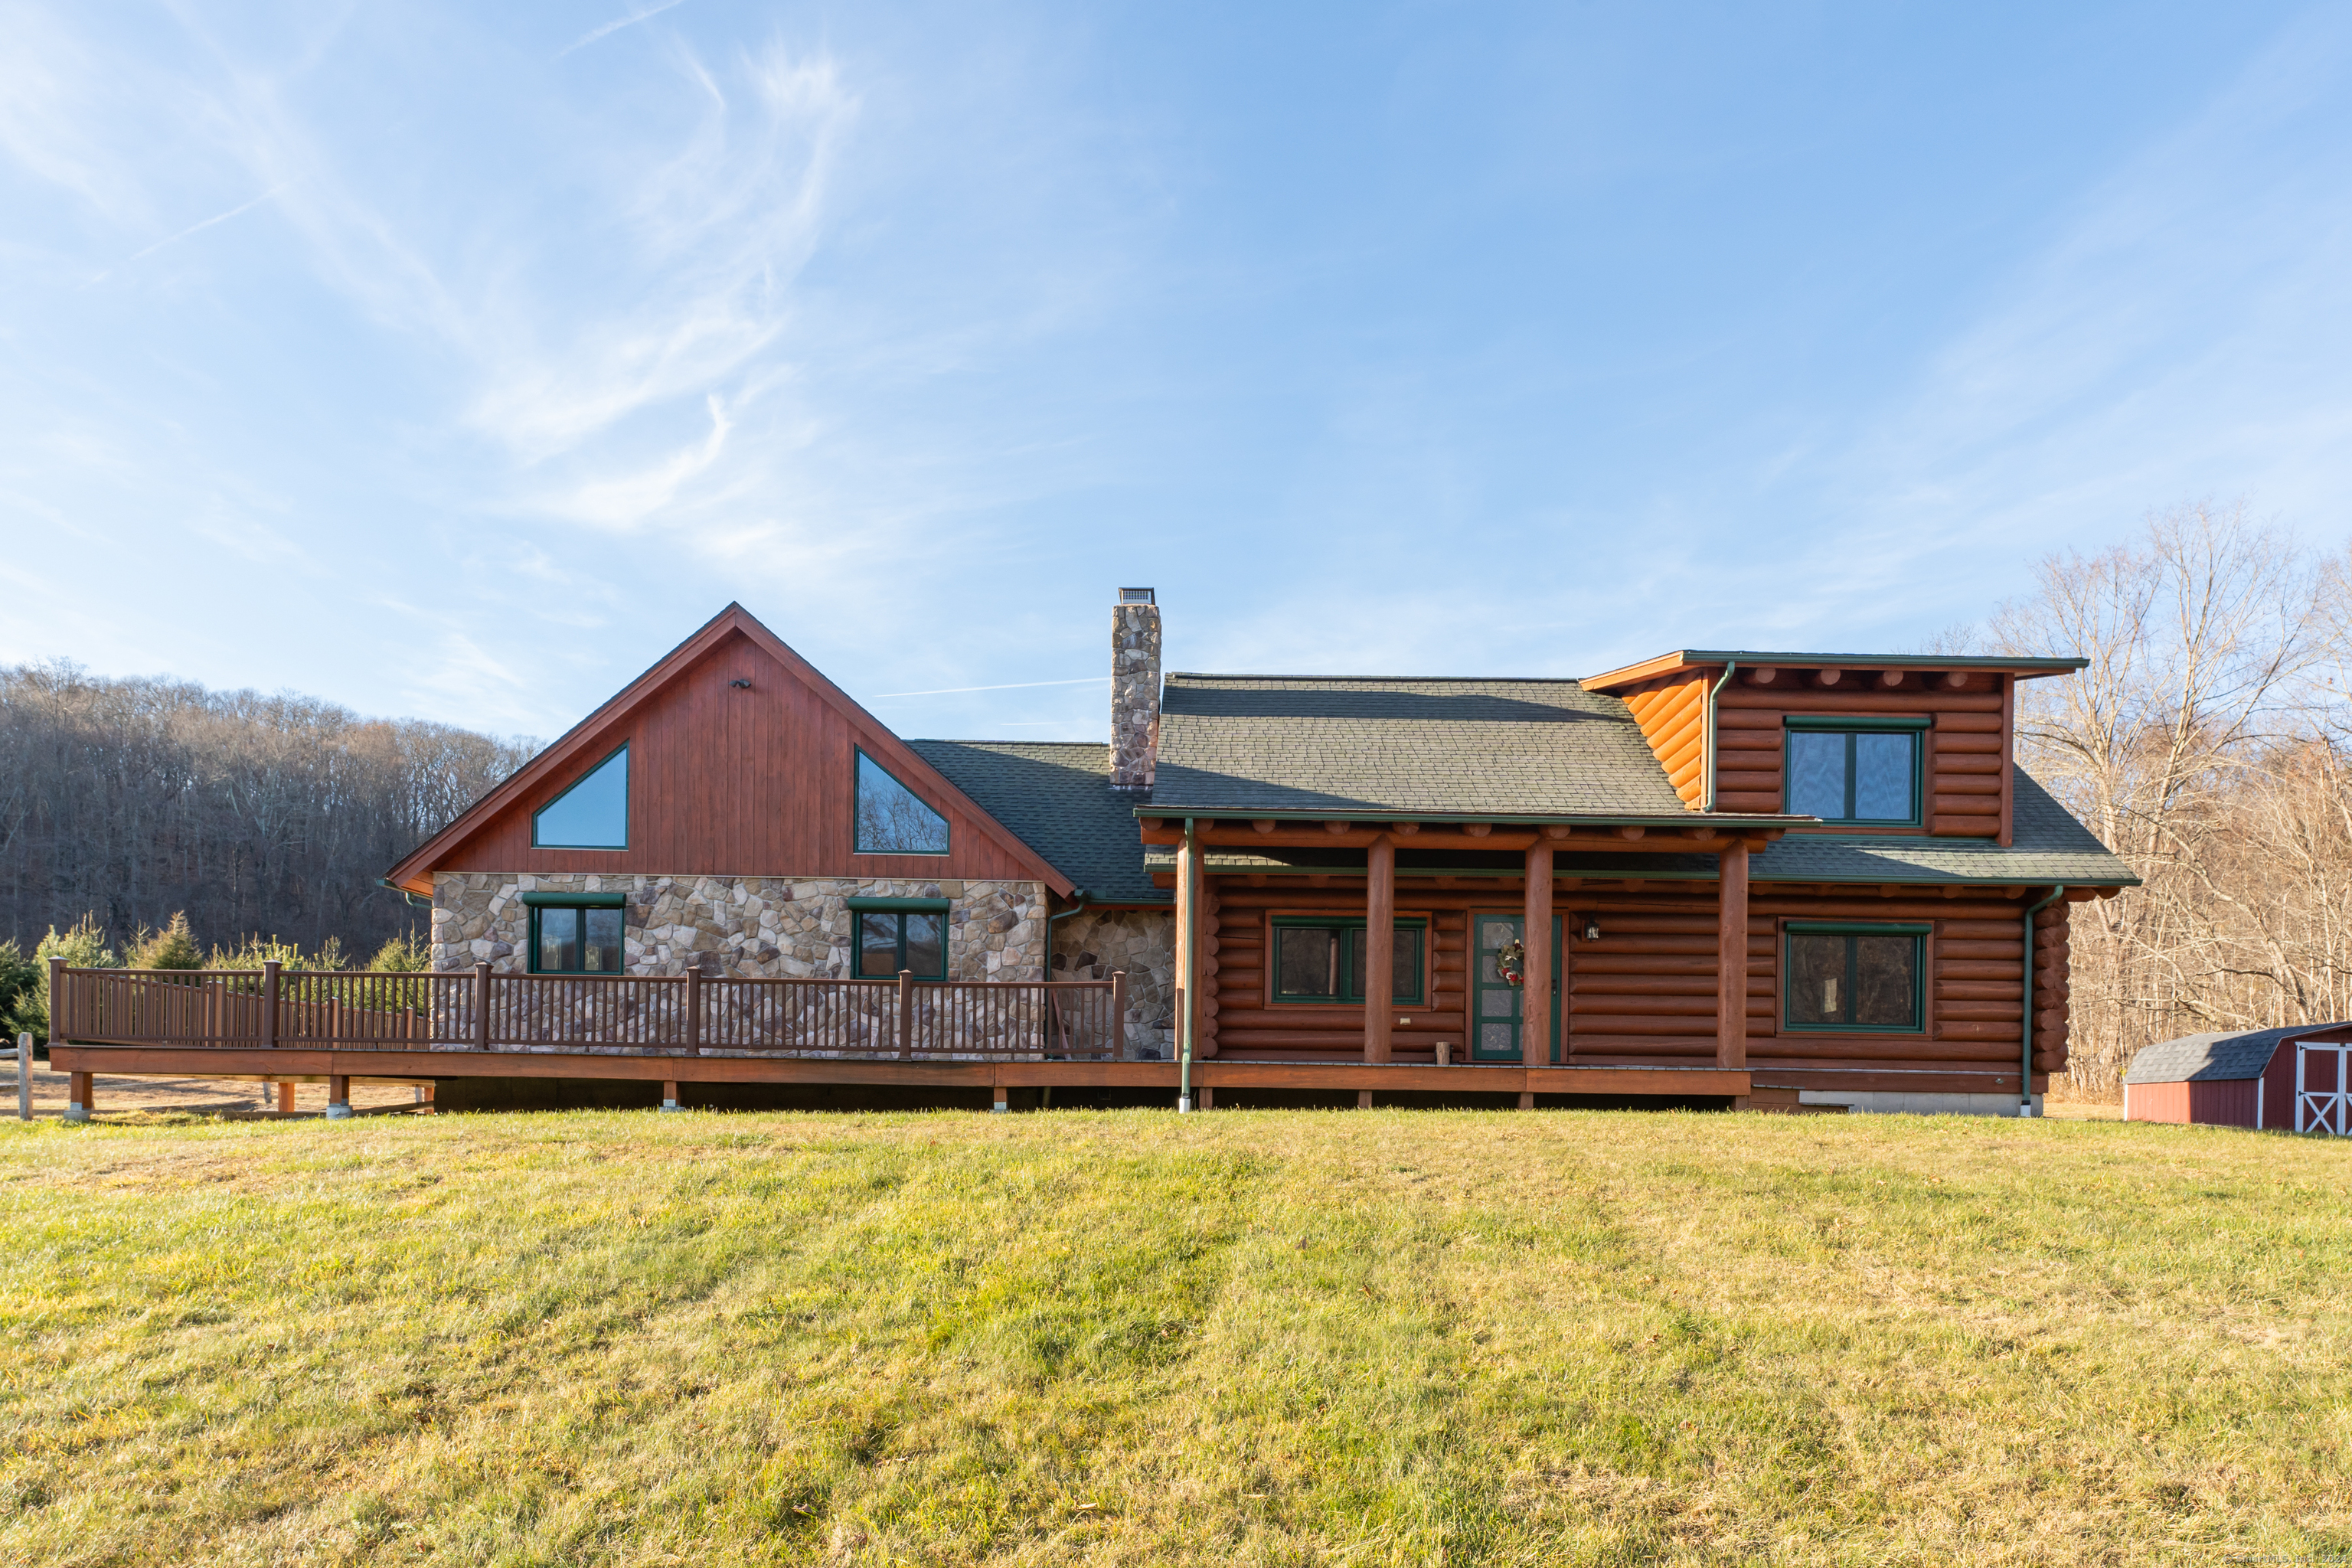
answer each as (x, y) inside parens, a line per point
(1698, 658)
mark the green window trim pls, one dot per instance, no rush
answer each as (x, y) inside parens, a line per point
(1918, 931)
(1817, 724)
(620, 751)
(546, 908)
(1350, 988)
(860, 760)
(921, 906)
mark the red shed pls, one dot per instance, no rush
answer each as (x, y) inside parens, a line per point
(2289, 1079)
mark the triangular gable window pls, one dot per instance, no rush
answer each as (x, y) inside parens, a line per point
(891, 818)
(593, 814)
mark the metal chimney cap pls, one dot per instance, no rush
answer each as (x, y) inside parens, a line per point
(1136, 596)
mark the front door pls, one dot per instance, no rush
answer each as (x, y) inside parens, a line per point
(1494, 1003)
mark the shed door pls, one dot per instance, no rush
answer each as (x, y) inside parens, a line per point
(2321, 1101)
(1494, 1001)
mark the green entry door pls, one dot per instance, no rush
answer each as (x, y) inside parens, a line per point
(1494, 1003)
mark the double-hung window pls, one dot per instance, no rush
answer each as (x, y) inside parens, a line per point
(1858, 977)
(893, 935)
(1854, 771)
(580, 934)
(1323, 959)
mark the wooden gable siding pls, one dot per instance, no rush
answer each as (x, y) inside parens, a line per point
(1644, 994)
(1671, 712)
(730, 781)
(1968, 750)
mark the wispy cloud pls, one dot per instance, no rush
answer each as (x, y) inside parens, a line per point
(237, 211)
(609, 29)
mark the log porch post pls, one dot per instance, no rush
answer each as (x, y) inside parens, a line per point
(1535, 997)
(1379, 949)
(1731, 958)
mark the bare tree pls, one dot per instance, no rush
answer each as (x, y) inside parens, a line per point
(2197, 746)
(269, 814)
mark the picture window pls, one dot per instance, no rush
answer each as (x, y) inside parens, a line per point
(1323, 961)
(1863, 978)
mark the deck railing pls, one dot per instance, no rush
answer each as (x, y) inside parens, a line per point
(606, 1015)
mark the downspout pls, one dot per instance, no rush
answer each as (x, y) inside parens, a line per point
(2025, 1033)
(1078, 908)
(1706, 802)
(1191, 879)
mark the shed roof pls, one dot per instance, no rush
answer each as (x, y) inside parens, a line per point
(1056, 797)
(2199, 1058)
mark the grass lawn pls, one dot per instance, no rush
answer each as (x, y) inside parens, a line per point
(1242, 1336)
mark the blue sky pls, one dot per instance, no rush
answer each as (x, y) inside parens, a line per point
(458, 361)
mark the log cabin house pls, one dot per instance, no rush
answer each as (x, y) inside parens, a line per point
(1713, 877)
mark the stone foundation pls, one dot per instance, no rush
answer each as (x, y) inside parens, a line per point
(1093, 942)
(774, 928)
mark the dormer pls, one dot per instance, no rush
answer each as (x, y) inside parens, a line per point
(1868, 743)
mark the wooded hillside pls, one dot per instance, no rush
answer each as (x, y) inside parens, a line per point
(269, 815)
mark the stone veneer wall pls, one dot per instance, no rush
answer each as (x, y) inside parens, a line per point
(769, 926)
(1093, 942)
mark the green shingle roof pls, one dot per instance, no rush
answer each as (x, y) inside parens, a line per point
(1056, 797)
(1237, 743)
(2048, 845)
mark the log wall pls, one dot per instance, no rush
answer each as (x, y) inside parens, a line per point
(1644, 994)
(1671, 712)
(1967, 750)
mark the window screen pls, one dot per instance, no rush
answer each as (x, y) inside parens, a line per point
(1323, 961)
(575, 941)
(1854, 977)
(1854, 775)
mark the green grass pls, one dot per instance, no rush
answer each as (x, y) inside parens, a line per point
(1237, 1338)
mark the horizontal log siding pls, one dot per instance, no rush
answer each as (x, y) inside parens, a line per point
(1967, 749)
(1643, 996)
(1671, 712)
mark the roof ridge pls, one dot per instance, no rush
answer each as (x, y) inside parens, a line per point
(1450, 679)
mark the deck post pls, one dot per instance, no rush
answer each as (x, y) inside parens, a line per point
(1379, 949)
(1535, 997)
(669, 1094)
(60, 1021)
(285, 1097)
(77, 1096)
(1119, 1015)
(482, 1006)
(25, 1076)
(269, 970)
(339, 1096)
(1731, 958)
(693, 1009)
(906, 1013)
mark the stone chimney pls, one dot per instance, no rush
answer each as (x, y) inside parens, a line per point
(1134, 688)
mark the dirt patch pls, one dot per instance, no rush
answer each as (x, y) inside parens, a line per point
(120, 1096)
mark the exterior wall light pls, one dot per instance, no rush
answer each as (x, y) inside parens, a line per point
(1591, 930)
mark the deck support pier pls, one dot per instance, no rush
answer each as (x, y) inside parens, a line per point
(77, 1096)
(285, 1097)
(1534, 995)
(1731, 959)
(1380, 951)
(339, 1096)
(669, 1095)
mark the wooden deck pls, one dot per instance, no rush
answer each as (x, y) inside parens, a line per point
(683, 1029)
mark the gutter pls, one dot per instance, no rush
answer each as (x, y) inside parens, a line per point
(1707, 798)
(2025, 1030)
(389, 885)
